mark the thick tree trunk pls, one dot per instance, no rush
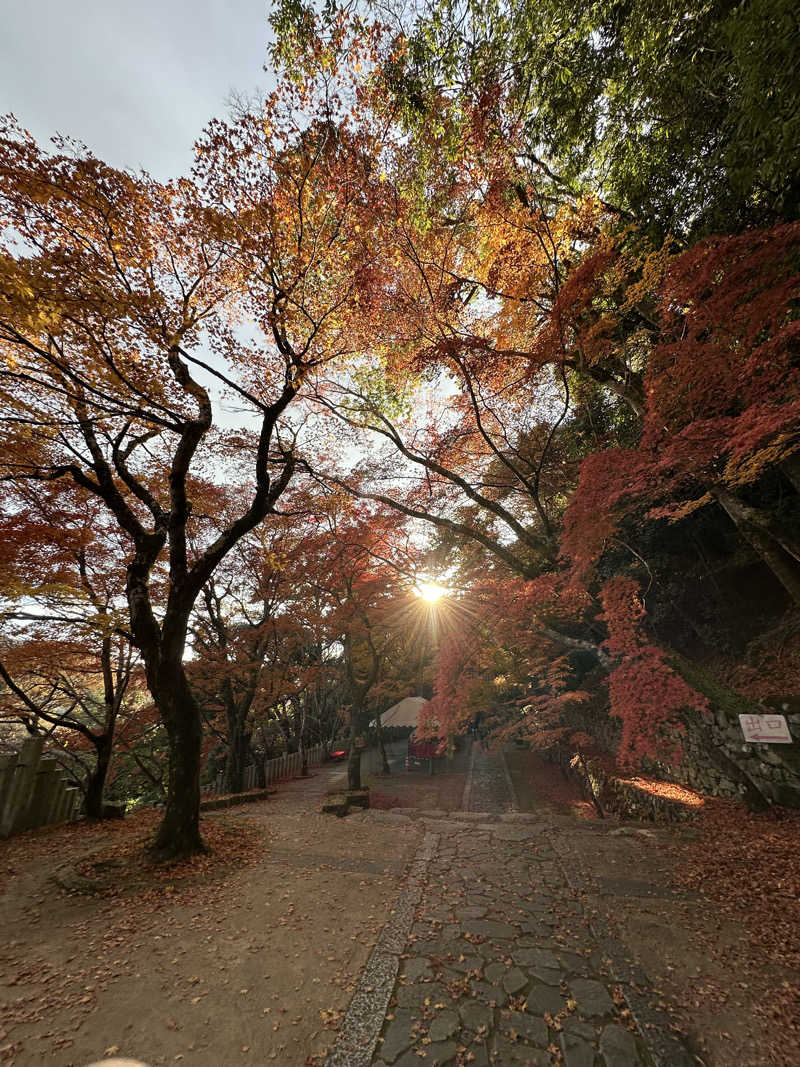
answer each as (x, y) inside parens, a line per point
(97, 779)
(179, 832)
(162, 645)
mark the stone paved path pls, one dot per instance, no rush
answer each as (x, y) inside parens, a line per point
(489, 788)
(499, 965)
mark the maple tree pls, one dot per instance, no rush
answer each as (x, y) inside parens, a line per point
(365, 589)
(491, 451)
(671, 114)
(264, 661)
(120, 301)
(97, 329)
(66, 658)
(722, 402)
(529, 328)
(237, 639)
(430, 321)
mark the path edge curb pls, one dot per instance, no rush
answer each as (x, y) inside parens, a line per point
(358, 1038)
(466, 796)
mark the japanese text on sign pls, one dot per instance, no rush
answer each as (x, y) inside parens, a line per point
(766, 729)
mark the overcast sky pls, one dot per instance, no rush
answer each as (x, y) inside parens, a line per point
(135, 80)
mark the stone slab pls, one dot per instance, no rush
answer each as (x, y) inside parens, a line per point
(618, 1047)
(592, 997)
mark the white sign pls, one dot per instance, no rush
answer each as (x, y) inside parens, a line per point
(769, 729)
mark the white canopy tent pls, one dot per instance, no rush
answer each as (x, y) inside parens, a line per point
(404, 713)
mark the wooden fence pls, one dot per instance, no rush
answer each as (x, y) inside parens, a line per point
(286, 766)
(33, 791)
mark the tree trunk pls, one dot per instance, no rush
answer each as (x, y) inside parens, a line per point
(791, 468)
(354, 763)
(301, 717)
(104, 742)
(97, 779)
(303, 756)
(779, 558)
(179, 832)
(258, 763)
(385, 763)
(236, 756)
(598, 807)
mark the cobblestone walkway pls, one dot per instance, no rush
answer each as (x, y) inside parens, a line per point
(489, 788)
(500, 967)
(497, 964)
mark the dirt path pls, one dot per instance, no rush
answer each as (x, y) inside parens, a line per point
(248, 965)
(526, 937)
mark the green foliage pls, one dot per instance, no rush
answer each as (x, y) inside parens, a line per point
(375, 393)
(685, 114)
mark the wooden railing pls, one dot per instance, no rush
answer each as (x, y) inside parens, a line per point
(286, 766)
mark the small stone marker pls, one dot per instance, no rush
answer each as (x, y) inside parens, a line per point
(766, 729)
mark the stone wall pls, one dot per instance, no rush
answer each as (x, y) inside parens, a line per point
(712, 740)
(717, 761)
(636, 798)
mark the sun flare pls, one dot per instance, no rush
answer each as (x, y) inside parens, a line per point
(430, 591)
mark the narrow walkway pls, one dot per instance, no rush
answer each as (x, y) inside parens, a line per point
(489, 787)
(490, 959)
(501, 965)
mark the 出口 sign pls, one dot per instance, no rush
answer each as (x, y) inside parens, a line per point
(766, 729)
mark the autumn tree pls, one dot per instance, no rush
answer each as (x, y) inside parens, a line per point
(66, 658)
(361, 564)
(262, 652)
(684, 116)
(572, 331)
(235, 636)
(120, 329)
(722, 405)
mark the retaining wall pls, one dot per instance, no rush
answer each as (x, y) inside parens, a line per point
(773, 769)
